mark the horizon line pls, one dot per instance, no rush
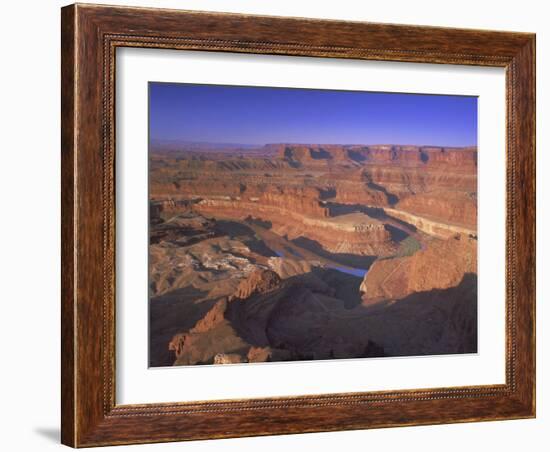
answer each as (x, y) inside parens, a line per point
(276, 143)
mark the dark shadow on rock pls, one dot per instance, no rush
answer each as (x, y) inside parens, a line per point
(320, 154)
(434, 322)
(397, 235)
(337, 209)
(178, 233)
(261, 318)
(259, 247)
(258, 222)
(351, 260)
(345, 286)
(392, 199)
(356, 156)
(373, 350)
(327, 193)
(171, 313)
(233, 228)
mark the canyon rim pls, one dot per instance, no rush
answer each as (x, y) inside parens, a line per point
(296, 224)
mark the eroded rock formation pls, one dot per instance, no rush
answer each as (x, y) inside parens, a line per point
(311, 251)
(441, 265)
(258, 282)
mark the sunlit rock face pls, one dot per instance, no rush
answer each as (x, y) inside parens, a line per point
(442, 264)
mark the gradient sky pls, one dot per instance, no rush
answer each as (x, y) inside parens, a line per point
(251, 115)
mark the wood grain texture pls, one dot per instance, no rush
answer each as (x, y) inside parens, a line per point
(90, 36)
(67, 225)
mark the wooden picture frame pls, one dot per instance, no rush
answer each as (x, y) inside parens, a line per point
(90, 36)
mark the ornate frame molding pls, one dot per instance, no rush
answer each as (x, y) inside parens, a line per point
(90, 37)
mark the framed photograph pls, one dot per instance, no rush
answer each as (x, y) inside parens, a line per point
(281, 225)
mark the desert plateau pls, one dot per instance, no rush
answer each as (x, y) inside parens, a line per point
(290, 252)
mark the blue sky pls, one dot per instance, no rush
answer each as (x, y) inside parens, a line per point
(258, 115)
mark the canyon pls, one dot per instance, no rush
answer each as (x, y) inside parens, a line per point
(288, 252)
